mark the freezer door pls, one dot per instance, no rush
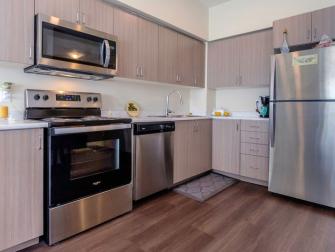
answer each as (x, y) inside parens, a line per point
(305, 75)
(302, 153)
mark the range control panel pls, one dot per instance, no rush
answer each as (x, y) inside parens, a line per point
(61, 99)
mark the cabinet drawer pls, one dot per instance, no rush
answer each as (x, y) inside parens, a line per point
(254, 167)
(254, 137)
(252, 125)
(255, 149)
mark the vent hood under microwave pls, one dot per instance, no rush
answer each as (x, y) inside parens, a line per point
(66, 49)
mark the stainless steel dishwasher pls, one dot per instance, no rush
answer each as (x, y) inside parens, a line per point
(153, 165)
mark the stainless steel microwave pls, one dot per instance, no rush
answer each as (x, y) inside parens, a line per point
(67, 49)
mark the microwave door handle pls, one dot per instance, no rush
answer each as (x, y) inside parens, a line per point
(108, 53)
(102, 48)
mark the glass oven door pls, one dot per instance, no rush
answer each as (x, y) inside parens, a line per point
(85, 163)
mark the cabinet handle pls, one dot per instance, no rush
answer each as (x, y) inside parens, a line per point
(308, 34)
(195, 81)
(83, 18)
(240, 81)
(237, 127)
(254, 127)
(40, 143)
(253, 150)
(252, 167)
(254, 138)
(30, 53)
(315, 34)
(177, 78)
(78, 17)
(142, 72)
(137, 71)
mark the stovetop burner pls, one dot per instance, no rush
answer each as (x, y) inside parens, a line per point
(62, 109)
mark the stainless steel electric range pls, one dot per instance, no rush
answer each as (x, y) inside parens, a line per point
(88, 172)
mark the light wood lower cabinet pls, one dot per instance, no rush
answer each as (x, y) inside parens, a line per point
(21, 186)
(226, 146)
(243, 154)
(192, 142)
(255, 167)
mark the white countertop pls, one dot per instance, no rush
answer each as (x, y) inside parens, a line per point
(21, 124)
(169, 119)
(242, 116)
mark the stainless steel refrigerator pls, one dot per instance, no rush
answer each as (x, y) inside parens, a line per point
(302, 125)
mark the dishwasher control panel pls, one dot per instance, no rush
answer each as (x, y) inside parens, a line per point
(153, 127)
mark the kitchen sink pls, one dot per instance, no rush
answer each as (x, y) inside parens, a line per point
(174, 116)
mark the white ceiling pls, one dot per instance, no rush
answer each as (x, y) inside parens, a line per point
(211, 3)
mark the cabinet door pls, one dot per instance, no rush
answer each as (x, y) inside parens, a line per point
(226, 146)
(223, 63)
(98, 15)
(125, 28)
(200, 154)
(185, 60)
(63, 9)
(168, 54)
(148, 50)
(17, 31)
(298, 30)
(181, 143)
(255, 58)
(21, 186)
(323, 23)
(199, 52)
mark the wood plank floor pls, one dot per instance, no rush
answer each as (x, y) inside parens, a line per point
(244, 217)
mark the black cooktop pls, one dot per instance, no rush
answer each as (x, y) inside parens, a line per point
(84, 121)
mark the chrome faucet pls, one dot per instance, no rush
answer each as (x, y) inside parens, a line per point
(168, 111)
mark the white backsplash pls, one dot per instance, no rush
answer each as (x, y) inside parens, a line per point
(115, 93)
(239, 99)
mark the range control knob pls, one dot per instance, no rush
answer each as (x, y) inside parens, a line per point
(45, 97)
(89, 99)
(95, 99)
(37, 97)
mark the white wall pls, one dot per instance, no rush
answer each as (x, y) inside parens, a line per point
(239, 99)
(188, 15)
(115, 93)
(241, 16)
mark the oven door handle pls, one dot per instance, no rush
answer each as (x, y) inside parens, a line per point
(87, 129)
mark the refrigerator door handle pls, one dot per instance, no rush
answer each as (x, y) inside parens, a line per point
(273, 78)
(272, 123)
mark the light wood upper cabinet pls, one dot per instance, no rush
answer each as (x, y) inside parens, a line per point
(98, 15)
(147, 50)
(21, 186)
(63, 9)
(299, 30)
(192, 149)
(199, 58)
(240, 61)
(185, 60)
(226, 146)
(168, 55)
(125, 28)
(255, 58)
(17, 31)
(223, 63)
(323, 23)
